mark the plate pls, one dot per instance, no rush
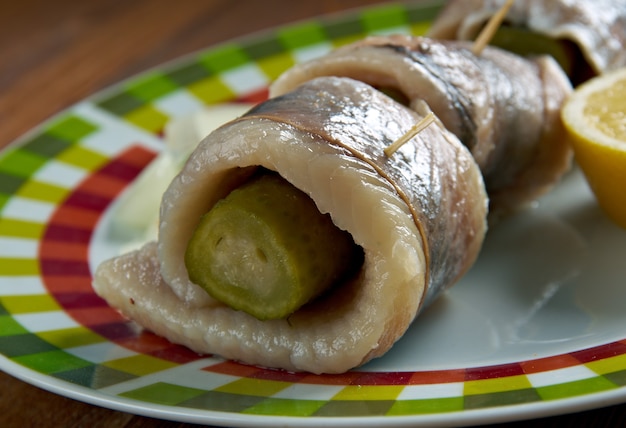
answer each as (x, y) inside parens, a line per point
(536, 328)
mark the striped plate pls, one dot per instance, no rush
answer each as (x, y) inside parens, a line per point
(538, 326)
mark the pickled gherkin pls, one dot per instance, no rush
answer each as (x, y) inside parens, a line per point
(265, 249)
(526, 42)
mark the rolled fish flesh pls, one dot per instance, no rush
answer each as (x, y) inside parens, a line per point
(596, 27)
(419, 216)
(503, 107)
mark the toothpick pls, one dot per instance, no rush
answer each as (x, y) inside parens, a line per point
(490, 29)
(415, 129)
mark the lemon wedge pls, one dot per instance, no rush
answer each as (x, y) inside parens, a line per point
(595, 118)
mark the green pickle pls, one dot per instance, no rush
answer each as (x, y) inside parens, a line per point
(265, 249)
(525, 42)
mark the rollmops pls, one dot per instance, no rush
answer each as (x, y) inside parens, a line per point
(503, 107)
(419, 216)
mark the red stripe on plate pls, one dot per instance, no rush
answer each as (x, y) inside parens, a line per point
(233, 369)
(86, 200)
(67, 234)
(255, 97)
(600, 352)
(177, 354)
(103, 185)
(80, 300)
(114, 327)
(123, 168)
(145, 342)
(64, 251)
(549, 363)
(60, 284)
(491, 372)
(53, 267)
(66, 215)
(383, 378)
(437, 376)
(137, 156)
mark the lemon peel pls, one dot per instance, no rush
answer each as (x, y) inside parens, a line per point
(595, 118)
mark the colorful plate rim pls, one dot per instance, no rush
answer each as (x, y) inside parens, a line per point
(57, 182)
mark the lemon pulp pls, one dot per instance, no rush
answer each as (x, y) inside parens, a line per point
(606, 110)
(595, 117)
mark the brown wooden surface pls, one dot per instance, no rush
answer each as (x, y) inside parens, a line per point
(55, 53)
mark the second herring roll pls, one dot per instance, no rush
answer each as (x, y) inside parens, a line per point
(503, 107)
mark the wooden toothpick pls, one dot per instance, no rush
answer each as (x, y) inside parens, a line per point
(415, 129)
(490, 29)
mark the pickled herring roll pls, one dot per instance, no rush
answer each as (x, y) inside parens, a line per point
(296, 201)
(503, 107)
(586, 36)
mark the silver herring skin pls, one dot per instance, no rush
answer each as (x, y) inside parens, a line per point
(597, 27)
(419, 215)
(503, 107)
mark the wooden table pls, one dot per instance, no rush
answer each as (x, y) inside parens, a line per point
(55, 53)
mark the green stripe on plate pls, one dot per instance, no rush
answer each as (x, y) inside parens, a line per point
(385, 17)
(148, 118)
(20, 163)
(252, 386)
(10, 327)
(29, 303)
(618, 377)
(140, 364)
(427, 406)
(369, 392)
(608, 365)
(94, 376)
(71, 337)
(285, 407)
(580, 387)
(262, 48)
(12, 266)
(163, 393)
(152, 86)
(224, 58)
(71, 128)
(342, 29)
(423, 14)
(41, 191)
(46, 145)
(346, 408)
(498, 384)
(302, 35)
(211, 90)
(273, 66)
(51, 361)
(82, 157)
(10, 183)
(121, 103)
(187, 74)
(502, 398)
(223, 402)
(23, 344)
(20, 228)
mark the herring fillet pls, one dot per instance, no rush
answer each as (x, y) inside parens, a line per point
(420, 217)
(504, 108)
(597, 27)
